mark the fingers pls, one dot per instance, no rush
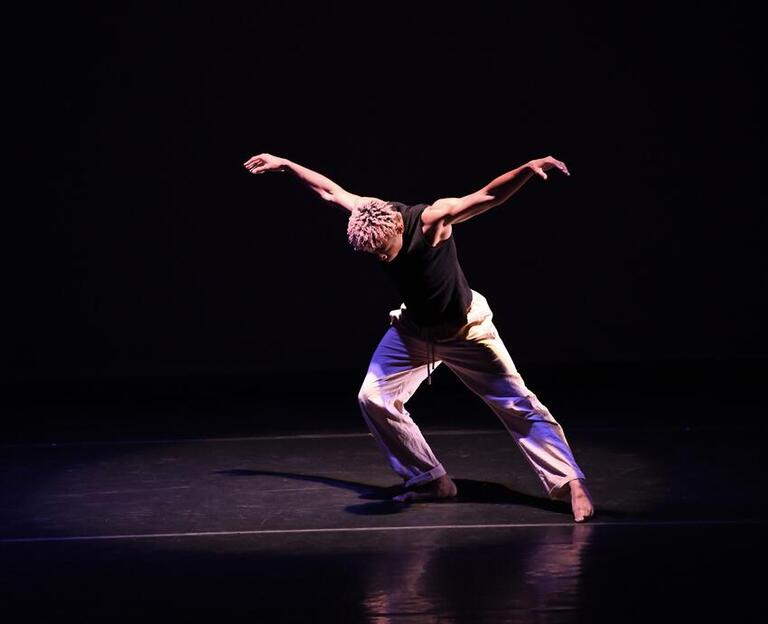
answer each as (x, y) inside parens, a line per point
(256, 164)
(253, 160)
(559, 164)
(540, 171)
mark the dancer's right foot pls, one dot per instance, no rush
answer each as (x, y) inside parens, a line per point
(437, 489)
(581, 501)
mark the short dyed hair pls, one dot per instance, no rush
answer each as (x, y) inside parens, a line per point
(372, 223)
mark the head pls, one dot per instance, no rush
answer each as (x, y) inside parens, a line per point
(377, 228)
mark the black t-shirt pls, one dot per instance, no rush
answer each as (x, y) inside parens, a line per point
(429, 279)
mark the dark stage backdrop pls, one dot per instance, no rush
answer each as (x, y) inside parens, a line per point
(140, 246)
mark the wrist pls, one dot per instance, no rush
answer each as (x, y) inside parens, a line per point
(529, 169)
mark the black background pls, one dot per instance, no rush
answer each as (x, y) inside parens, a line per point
(140, 247)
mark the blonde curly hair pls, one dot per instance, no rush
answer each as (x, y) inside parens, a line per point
(372, 223)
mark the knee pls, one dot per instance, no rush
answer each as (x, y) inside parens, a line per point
(526, 407)
(373, 398)
(367, 395)
(538, 408)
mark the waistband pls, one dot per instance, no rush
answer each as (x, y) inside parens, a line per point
(445, 331)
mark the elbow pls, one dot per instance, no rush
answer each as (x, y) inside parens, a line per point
(481, 200)
(483, 196)
(471, 205)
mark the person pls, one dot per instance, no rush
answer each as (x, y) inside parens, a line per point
(442, 320)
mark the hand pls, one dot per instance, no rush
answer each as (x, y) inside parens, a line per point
(264, 163)
(540, 165)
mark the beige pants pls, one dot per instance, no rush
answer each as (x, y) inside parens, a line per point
(476, 354)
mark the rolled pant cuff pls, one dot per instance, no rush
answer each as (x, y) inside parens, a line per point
(556, 492)
(425, 477)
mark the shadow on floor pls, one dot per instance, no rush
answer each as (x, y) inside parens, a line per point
(469, 491)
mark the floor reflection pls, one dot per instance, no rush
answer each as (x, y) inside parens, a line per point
(525, 575)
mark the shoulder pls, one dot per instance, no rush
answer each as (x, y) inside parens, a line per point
(411, 213)
(434, 224)
(439, 210)
(405, 208)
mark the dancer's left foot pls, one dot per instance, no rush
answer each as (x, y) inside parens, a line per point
(438, 489)
(581, 501)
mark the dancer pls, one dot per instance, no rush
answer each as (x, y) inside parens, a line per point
(442, 320)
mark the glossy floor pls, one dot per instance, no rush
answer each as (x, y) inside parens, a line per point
(297, 525)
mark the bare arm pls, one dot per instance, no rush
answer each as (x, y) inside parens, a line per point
(451, 210)
(326, 188)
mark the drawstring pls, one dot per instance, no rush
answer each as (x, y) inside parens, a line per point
(430, 357)
(426, 332)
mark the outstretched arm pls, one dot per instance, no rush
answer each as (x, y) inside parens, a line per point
(451, 210)
(326, 188)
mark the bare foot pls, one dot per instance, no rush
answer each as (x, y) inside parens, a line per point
(437, 489)
(581, 501)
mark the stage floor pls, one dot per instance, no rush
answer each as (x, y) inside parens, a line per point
(195, 519)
